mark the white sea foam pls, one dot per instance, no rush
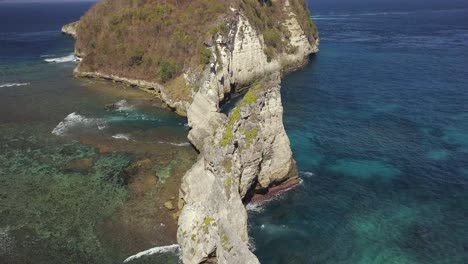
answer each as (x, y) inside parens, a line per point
(333, 16)
(254, 207)
(279, 230)
(131, 116)
(306, 174)
(13, 84)
(182, 144)
(124, 106)
(68, 58)
(251, 244)
(7, 241)
(329, 18)
(383, 13)
(121, 136)
(157, 250)
(74, 120)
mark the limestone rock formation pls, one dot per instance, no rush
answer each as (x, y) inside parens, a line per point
(247, 150)
(243, 153)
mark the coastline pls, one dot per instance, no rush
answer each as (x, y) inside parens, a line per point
(151, 88)
(155, 89)
(153, 177)
(256, 154)
(92, 168)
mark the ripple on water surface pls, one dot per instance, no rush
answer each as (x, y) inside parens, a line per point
(379, 118)
(364, 168)
(439, 154)
(86, 181)
(455, 137)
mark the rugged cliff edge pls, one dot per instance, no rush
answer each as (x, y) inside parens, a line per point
(244, 153)
(70, 29)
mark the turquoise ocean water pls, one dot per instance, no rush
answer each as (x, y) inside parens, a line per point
(378, 123)
(79, 182)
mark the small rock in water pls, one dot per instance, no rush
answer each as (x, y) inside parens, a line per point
(112, 106)
(169, 205)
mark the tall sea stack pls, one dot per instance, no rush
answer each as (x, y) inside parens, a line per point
(196, 55)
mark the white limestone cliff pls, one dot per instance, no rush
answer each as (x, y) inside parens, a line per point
(241, 154)
(246, 151)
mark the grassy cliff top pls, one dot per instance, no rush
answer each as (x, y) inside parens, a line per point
(155, 40)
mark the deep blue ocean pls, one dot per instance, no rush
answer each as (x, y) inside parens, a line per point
(378, 123)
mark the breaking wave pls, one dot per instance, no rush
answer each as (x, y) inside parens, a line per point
(124, 106)
(306, 174)
(68, 58)
(74, 120)
(13, 84)
(182, 144)
(121, 136)
(352, 15)
(255, 207)
(157, 250)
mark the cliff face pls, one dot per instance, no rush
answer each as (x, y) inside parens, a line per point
(247, 151)
(70, 29)
(167, 43)
(243, 153)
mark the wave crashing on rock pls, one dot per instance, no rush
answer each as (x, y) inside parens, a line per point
(75, 120)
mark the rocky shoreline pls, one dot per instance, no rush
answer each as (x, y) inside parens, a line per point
(152, 88)
(244, 155)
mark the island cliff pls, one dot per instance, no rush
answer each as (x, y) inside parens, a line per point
(241, 48)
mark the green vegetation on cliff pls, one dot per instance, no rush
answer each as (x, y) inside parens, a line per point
(146, 39)
(268, 17)
(156, 40)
